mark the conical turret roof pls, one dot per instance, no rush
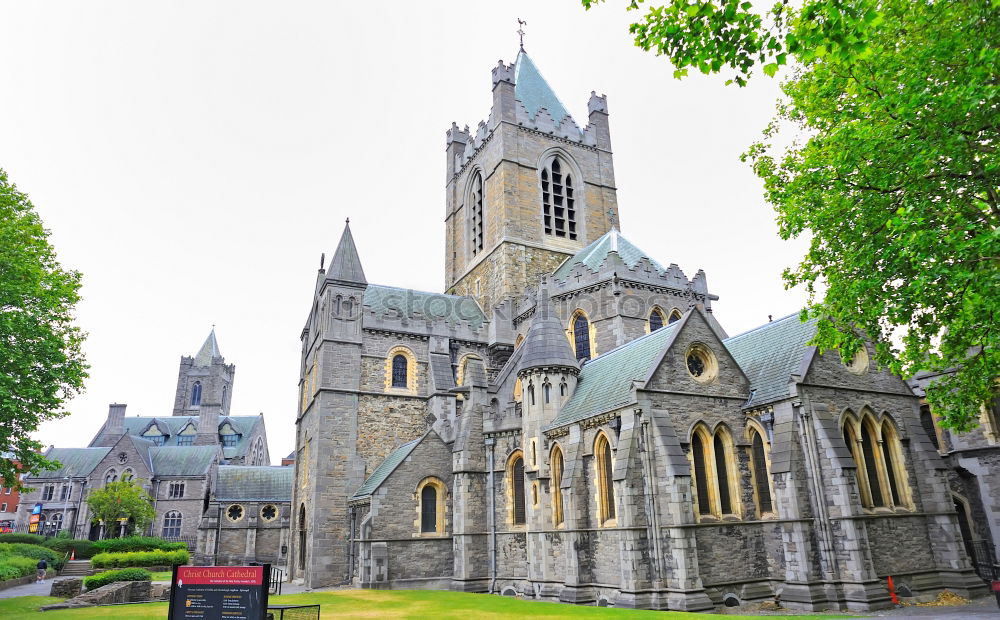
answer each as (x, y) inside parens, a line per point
(531, 89)
(546, 344)
(346, 265)
(208, 350)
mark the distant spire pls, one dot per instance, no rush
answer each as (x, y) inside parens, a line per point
(346, 265)
(208, 350)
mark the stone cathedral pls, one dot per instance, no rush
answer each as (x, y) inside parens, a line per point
(569, 422)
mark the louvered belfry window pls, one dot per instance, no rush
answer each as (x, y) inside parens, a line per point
(517, 481)
(428, 509)
(558, 202)
(760, 474)
(476, 198)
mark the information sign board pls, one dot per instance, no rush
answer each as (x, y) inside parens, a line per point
(217, 592)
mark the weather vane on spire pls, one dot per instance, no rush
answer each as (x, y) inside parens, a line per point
(520, 30)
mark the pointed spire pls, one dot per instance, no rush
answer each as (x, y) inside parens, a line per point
(346, 265)
(534, 93)
(208, 350)
(545, 343)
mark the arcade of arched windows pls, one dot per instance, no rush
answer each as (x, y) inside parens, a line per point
(874, 444)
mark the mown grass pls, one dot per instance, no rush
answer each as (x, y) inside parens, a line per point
(372, 604)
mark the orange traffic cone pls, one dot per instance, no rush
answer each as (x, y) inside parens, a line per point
(72, 555)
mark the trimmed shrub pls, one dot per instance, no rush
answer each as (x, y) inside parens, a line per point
(36, 552)
(31, 539)
(14, 566)
(141, 558)
(135, 543)
(111, 576)
(84, 548)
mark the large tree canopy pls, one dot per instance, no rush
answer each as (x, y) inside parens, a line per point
(41, 363)
(893, 171)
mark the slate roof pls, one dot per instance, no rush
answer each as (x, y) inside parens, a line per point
(546, 344)
(441, 372)
(346, 265)
(208, 350)
(531, 89)
(605, 382)
(423, 306)
(183, 460)
(770, 354)
(594, 255)
(75, 461)
(388, 466)
(264, 483)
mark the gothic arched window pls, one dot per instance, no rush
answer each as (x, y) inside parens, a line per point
(110, 476)
(605, 484)
(558, 201)
(172, 524)
(547, 390)
(531, 394)
(878, 457)
(428, 509)
(196, 394)
(556, 464)
(655, 320)
(580, 328)
(515, 474)
(715, 472)
(399, 371)
(476, 216)
(225, 393)
(675, 315)
(761, 476)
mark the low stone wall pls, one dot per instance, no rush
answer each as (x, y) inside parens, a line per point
(23, 581)
(67, 588)
(119, 592)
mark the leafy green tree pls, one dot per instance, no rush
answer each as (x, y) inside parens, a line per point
(893, 171)
(41, 361)
(122, 499)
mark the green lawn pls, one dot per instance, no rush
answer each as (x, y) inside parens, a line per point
(372, 604)
(163, 576)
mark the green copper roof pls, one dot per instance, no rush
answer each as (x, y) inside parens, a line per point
(594, 255)
(388, 466)
(606, 381)
(418, 305)
(183, 460)
(531, 89)
(770, 354)
(238, 482)
(174, 424)
(73, 461)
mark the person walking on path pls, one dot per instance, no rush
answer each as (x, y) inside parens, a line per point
(42, 566)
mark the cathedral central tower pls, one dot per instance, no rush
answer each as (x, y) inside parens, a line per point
(527, 190)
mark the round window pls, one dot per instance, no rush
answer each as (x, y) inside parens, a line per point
(234, 512)
(269, 512)
(859, 363)
(701, 363)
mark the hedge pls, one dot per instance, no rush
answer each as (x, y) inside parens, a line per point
(111, 576)
(141, 558)
(84, 548)
(31, 539)
(135, 543)
(35, 552)
(14, 566)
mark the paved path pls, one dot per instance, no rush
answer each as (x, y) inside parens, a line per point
(31, 589)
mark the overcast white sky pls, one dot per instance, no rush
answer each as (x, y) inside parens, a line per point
(193, 159)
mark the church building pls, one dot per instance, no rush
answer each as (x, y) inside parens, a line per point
(570, 422)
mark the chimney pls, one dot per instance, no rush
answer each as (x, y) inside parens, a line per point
(116, 419)
(208, 426)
